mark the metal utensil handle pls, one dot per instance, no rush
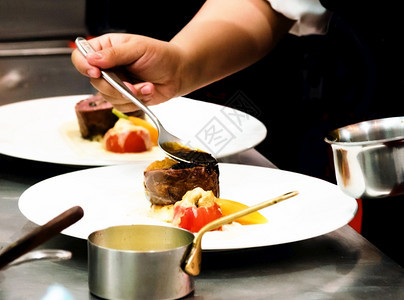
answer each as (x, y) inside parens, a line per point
(193, 260)
(85, 48)
(40, 235)
(234, 216)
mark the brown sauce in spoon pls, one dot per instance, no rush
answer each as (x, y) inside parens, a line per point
(190, 155)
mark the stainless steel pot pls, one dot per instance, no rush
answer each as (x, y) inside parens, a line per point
(369, 157)
(139, 262)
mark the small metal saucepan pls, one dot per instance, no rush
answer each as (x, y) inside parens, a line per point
(150, 261)
(369, 157)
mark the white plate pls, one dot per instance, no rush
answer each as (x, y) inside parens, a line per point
(114, 195)
(46, 130)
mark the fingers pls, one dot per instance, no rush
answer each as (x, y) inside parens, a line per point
(111, 50)
(139, 55)
(82, 65)
(143, 91)
(117, 50)
(126, 107)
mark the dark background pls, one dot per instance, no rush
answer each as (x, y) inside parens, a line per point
(304, 88)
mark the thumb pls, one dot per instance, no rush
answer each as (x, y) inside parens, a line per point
(117, 55)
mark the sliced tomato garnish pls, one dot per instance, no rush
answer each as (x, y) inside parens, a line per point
(135, 142)
(112, 142)
(126, 141)
(193, 218)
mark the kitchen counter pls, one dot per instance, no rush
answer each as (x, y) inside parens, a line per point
(338, 265)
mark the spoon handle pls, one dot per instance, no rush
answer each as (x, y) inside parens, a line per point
(230, 218)
(85, 48)
(193, 261)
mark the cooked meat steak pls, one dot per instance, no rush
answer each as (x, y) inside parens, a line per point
(95, 116)
(167, 181)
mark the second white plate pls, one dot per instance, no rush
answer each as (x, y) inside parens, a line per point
(47, 130)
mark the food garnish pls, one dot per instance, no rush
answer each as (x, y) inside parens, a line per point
(229, 207)
(125, 137)
(139, 122)
(196, 209)
(199, 207)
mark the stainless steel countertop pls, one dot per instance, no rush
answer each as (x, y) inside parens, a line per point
(338, 265)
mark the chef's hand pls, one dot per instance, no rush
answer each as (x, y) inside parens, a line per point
(149, 68)
(211, 46)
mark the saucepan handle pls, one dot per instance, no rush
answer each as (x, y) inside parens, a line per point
(40, 235)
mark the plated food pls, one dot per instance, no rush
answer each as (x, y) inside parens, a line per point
(187, 195)
(50, 131)
(117, 132)
(321, 207)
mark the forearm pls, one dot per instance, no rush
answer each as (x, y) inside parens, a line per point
(225, 37)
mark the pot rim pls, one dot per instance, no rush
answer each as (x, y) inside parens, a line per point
(92, 234)
(333, 137)
(363, 143)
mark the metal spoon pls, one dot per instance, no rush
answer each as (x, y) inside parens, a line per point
(43, 254)
(170, 144)
(193, 261)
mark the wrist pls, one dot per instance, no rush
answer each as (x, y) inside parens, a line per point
(187, 73)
